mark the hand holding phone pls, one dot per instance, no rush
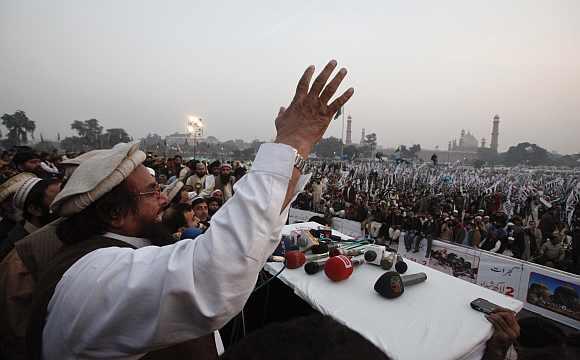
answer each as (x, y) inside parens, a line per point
(484, 306)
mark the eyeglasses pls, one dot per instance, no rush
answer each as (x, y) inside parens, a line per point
(156, 192)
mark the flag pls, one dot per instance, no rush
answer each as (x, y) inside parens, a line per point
(338, 113)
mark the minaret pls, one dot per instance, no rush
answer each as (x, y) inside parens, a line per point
(349, 130)
(362, 136)
(483, 143)
(495, 134)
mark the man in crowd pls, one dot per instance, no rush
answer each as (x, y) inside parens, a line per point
(198, 179)
(225, 182)
(10, 215)
(33, 198)
(213, 205)
(128, 299)
(27, 161)
(551, 252)
(200, 211)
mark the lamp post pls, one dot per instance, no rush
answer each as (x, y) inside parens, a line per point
(194, 127)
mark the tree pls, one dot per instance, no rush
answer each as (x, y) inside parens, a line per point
(328, 147)
(19, 126)
(88, 130)
(115, 136)
(526, 153)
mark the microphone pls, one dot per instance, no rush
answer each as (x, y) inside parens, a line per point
(351, 252)
(387, 262)
(314, 267)
(319, 248)
(401, 265)
(392, 285)
(294, 259)
(340, 267)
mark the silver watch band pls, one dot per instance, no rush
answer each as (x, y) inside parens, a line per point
(299, 163)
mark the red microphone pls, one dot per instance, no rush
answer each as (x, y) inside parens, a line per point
(294, 259)
(340, 267)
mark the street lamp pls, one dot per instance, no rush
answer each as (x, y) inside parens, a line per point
(194, 128)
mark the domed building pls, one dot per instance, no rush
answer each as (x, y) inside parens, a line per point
(467, 142)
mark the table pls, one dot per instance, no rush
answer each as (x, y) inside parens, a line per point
(431, 320)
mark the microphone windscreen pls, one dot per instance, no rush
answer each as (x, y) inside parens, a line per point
(390, 285)
(401, 267)
(386, 263)
(312, 268)
(319, 249)
(294, 259)
(370, 255)
(338, 268)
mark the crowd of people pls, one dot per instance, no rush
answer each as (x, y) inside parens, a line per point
(120, 254)
(526, 217)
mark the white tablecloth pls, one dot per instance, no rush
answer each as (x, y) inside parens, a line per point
(431, 320)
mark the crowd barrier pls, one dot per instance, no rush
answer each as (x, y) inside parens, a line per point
(548, 292)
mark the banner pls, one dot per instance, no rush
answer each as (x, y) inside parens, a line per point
(551, 293)
(545, 291)
(347, 227)
(454, 260)
(500, 274)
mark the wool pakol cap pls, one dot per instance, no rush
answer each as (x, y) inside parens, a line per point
(96, 176)
(22, 193)
(76, 161)
(10, 186)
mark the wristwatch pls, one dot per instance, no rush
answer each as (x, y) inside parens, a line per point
(299, 163)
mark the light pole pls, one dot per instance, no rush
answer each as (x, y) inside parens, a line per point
(194, 127)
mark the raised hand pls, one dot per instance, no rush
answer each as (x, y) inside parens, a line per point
(303, 124)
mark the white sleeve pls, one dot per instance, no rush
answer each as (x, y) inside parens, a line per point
(208, 186)
(496, 247)
(116, 302)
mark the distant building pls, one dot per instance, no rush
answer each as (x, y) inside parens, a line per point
(362, 137)
(467, 142)
(181, 139)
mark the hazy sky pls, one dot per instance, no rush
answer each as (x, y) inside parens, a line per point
(422, 70)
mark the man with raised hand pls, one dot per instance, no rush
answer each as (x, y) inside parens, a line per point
(112, 293)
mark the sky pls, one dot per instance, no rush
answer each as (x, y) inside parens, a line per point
(422, 70)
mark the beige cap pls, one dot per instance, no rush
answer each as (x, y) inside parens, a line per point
(22, 192)
(98, 174)
(10, 186)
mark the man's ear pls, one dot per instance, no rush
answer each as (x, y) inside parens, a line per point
(34, 210)
(116, 218)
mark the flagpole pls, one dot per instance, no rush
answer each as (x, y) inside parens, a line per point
(342, 136)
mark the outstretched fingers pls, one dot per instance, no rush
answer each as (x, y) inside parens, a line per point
(339, 102)
(321, 80)
(304, 83)
(332, 86)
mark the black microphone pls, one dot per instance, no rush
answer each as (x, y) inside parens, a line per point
(319, 248)
(314, 267)
(401, 266)
(392, 285)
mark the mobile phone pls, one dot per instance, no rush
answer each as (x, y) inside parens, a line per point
(484, 306)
